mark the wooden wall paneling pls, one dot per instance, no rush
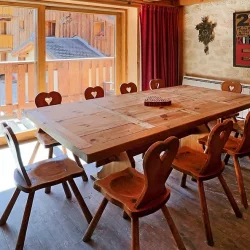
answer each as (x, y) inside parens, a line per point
(63, 78)
(74, 78)
(100, 73)
(21, 87)
(85, 65)
(41, 49)
(107, 72)
(31, 82)
(93, 72)
(50, 76)
(8, 86)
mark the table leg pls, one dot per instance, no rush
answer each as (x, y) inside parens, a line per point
(122, 163)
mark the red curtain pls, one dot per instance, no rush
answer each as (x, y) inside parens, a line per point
(159, 44)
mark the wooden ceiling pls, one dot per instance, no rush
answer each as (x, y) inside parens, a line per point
(155, 2)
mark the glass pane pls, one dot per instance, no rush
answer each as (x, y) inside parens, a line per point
(80, 51)
(17, 63)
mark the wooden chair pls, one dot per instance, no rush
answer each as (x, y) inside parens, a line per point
(206, 166)
(231, 86)
(92, 93)
(235, 87)
(127, 88)
(156, 84)
(44, 99)
(140, 195)
(237, 148)
(36, 176)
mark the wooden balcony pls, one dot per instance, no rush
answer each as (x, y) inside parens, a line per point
(70, 77)
(6, 42)
(6, 13)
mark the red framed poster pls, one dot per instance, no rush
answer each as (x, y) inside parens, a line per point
(242, 39)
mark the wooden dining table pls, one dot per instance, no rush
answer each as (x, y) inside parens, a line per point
(111, 126)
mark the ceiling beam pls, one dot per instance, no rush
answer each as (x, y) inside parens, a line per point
(134, 3)
(190, 2)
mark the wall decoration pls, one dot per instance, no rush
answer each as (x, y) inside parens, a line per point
(206, 32)
(66, 19)
(242, 39)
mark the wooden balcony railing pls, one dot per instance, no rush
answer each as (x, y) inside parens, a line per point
(6, 12)
(70, 77)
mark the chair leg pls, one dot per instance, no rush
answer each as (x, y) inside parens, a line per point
(125, 216)
(132, 160)
(240, 182)
(9, 208)
(135, 233)
(230, 197)
(95, 220)
(226, 159)
(183, 180)
(84, 175)
(25, 221)
(205, 215)
(66, 190)
(173, 228)
(48, 189)
(80, 200)
(33, 156)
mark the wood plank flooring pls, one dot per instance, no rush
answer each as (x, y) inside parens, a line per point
(57, 223)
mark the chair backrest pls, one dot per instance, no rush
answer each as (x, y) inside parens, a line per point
(245, 142)
(92, 93)
(14, 146)
(157, 167)
(156, 84)
(127, 88)
(216, 142)
(231, 86)
(44, 99)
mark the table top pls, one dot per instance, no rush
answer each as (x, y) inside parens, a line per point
(99, 128)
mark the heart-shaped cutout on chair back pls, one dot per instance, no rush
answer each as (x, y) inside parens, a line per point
(48, 100)
(44, 99)
(231, 86)
(127, 88)
(93, 92)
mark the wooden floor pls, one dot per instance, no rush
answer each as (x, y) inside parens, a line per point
(57, 223)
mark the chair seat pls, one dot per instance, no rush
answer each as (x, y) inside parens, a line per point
(124, 188)
(191, 162)
(203, 140)
(46, 140)
(47, 173)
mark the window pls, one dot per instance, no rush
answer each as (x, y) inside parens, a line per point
(3, 56)
(51, 28)
(21, 24)
(3, 28)
(99, 29)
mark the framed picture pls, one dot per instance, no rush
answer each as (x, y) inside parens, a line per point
(242, 39)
